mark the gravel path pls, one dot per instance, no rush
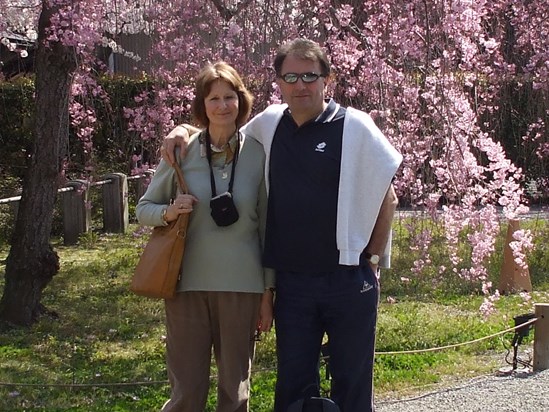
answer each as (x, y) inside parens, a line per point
(518, 392)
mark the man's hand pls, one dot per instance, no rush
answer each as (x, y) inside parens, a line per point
(266, 312)
(179, 136)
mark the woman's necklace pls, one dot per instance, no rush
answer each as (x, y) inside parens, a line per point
(215, 149)
(221, 155)
(219, 149)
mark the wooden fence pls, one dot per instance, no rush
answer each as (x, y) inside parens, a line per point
(75, 203)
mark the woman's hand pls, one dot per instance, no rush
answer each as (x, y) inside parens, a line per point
(181, 204)
(266, 311)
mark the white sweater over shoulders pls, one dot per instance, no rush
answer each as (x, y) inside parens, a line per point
(368, 164)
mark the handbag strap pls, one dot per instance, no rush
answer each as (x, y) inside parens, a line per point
(183, 188)
(183, 219)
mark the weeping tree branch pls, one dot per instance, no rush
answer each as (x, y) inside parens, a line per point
(229, 12)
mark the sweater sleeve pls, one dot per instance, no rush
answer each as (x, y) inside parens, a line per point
(268, 273)
(262, 128)
(157, 197)
(368, 164)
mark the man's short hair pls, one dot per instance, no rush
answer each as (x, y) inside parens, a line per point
(304, 49)
(203, 85)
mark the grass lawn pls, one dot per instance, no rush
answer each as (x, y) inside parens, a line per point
(105, 351)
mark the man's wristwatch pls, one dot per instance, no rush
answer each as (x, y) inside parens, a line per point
(373, 259)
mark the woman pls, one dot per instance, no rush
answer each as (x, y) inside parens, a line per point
(224, 295)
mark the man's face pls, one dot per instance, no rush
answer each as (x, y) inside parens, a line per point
(305, 100)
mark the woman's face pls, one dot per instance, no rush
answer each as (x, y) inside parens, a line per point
(221, 105)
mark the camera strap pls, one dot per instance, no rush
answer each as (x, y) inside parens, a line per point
(233, 166)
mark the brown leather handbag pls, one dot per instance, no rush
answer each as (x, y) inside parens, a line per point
(159, 266)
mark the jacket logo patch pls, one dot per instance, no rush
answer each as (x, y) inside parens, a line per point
(320, 147)
(366, 287)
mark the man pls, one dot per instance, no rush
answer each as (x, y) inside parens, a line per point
(331, 203)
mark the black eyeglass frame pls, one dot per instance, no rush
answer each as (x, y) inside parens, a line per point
(308, 77)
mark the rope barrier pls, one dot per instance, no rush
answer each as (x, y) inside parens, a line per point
(10, 200)
(83, 385)
(101, 182)
(106, 385)
(459, 344)
(165, 382)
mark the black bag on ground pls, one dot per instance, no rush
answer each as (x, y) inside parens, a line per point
(314, 404)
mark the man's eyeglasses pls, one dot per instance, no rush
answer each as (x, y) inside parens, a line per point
(309, 77)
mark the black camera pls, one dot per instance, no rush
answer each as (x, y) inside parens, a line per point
(224, 211)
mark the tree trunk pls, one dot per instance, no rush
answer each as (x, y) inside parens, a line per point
(32, 261)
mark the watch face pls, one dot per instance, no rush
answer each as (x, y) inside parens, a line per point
(374, 259)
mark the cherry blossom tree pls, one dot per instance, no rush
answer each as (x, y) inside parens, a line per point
(32, 262)
(65, 40)
(437, 76)
(460, 88)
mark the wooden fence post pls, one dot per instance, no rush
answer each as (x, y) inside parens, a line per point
(541, 337)
(513, 278)
(15, 209)
(76, 213)
(142, 183)
(115, 203)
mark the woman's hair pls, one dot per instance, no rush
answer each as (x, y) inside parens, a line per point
(207, 76)
(304, 49)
